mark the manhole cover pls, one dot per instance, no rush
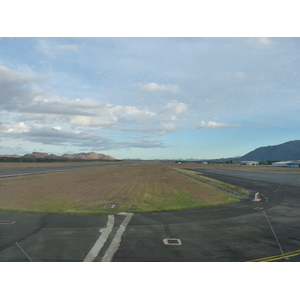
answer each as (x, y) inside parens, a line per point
(172, 241)
(7, 222)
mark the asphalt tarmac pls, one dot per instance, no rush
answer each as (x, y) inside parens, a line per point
(266, 230)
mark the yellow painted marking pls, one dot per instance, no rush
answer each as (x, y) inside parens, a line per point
(283, 257)
(276, 257)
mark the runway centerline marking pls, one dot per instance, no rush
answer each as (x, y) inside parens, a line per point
(115, 243)
(105, 232)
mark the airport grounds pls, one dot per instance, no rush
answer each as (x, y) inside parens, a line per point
(57, 216)
(142, 187)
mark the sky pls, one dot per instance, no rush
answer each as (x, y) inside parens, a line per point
(148, 98)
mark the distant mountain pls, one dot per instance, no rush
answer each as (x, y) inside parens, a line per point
(89, 155)
(283, 152)
(83, 156)
(40, 155)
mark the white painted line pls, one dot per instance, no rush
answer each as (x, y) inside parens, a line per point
(23, 252)
(115, 243)
(258, 208)
(105, 232)
(274, 233)
(7, 222)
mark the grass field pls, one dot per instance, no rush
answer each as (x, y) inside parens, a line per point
(143, 187)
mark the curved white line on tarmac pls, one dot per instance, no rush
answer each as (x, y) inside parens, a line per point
(117, 239)
(105, 232)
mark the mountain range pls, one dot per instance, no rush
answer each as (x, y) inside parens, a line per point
(283, 152)
(84, 156)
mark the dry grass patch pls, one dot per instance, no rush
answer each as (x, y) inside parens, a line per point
(141, 187)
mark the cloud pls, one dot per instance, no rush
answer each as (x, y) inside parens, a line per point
(53, 136)
(37, 133)
(173, 109)
(259, 41)
(22, 94)
(70, 47)
(265, 41)
(215, 125)
(92, 113)
(240, 75)
(17, 89)
(13, 128)
(112, 145)
(165, 128)
(155, 87)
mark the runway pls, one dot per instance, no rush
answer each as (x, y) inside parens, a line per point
(235, 232)
(42, 170)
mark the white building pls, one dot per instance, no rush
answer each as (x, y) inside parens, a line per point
(280, 164)
(249, 163)
(289, 164)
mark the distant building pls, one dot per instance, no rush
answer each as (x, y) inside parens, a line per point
(289, 164)
(280, 164)
(204, 163)
(249, 163)
(294, 164)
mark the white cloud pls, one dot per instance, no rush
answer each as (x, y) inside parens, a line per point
(172, 110)
(215, 125)
(92, 121)
(9, 76)
(13, 128)
(20, 94)
(70, 47)
(17, 89)
(240, 75)
(165, 128)
(259, 41)
(265, 41)
(155, 87)
(85, 140)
